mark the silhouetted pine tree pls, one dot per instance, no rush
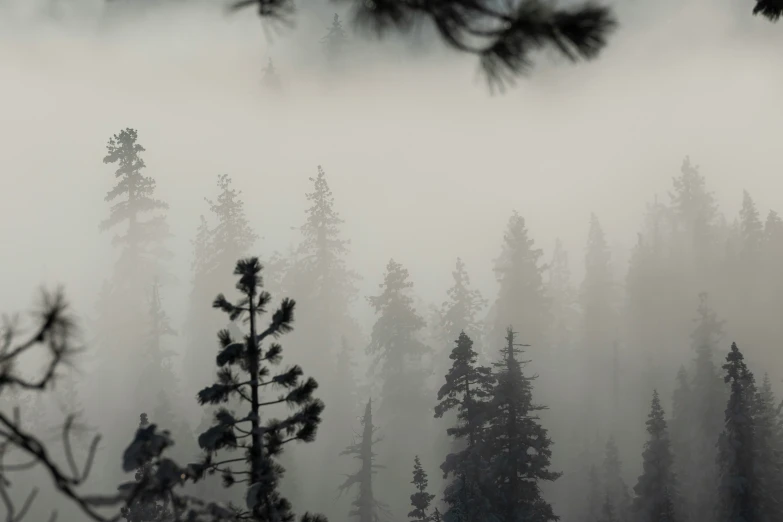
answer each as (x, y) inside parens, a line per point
(739, 493)
(769, 453)
(519, 446)
(460, 312)
(522, 299)
(263, 444)
(147, 508)
(466, 390)
(656, 488)
(616, 488)
(421, 499)
(365, 507)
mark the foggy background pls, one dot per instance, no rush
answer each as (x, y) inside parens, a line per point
(424, 164)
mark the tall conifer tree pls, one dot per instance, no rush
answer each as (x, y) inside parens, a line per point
(520, 447)
(656, 489)
(421, 499)
(739, 493)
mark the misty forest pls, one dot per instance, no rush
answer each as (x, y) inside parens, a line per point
(385, 261)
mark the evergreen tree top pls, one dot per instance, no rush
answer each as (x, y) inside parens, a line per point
(709, 329)
(518, 248)
(656, 421)
(460, 312)
(690, 199)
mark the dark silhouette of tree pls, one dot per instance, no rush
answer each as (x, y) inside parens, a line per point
(520, 447)
(769, 452)
(504, 37)
(365, 507)
(467, 389)
(261, 473)
(143, 509)
(656, 488)
(738, 490)
(421, 499)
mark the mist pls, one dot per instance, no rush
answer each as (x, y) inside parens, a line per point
(426, 165)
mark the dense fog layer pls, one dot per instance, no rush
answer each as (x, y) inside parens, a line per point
(425, 167)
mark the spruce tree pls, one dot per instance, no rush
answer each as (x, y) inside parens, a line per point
(593, 495)
(769, 453)
(739, 493)
(365, 507)
(522, 298)
(245, 372)
(143, 242)
(520, 447)
(218, 244)
(404, 412)
(705, 417)
(656, 488)
(599, 322)
(147, 508)
(320, 273)
(421, 499)
(467, 390)
(694, 209)
(751, 231)
(563, 298)
(460, 312)
(683, 433)
(616, 489)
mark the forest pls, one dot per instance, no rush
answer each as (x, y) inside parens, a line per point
(326, 291)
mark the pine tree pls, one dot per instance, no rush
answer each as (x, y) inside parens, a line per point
(421, 499)
(404, 412)
(738, 489)
(769, 453)
(365, 507)
(694, 209)
(520, 447)
(158, 373)
(460, 312)
(522, 299)
(335, 40)
(705, 417)
(147, 508)
(751, 231)
(215, 251)
(467, 390)
(683, 438)
(320, 273)
(563, 298)
(599, 321)
(616, 490)
(656, 488)
(143, 242)
(263, 473)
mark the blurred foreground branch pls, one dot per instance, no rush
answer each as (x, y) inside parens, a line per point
(504, 35)
(53, 334)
